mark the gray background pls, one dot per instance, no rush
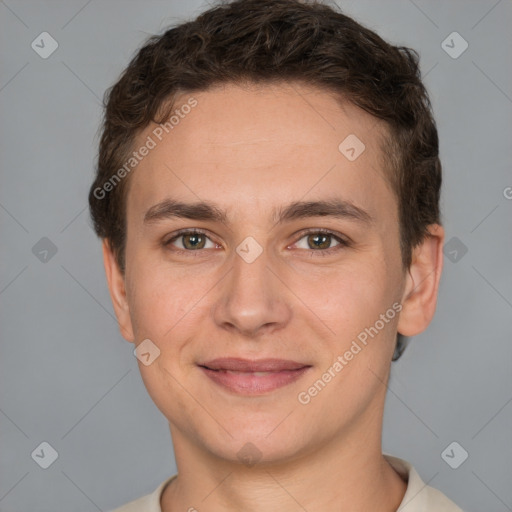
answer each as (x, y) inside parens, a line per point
(67, 376)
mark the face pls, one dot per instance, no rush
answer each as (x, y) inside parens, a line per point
(252, 297)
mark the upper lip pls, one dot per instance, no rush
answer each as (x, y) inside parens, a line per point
(252, 365)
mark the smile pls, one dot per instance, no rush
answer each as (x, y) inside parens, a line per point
(253, 377)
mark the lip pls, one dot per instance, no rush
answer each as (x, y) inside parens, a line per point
(253, 377)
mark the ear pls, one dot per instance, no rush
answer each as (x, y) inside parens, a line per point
(116, 286)
(422, 282)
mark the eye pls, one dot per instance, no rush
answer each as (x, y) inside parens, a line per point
(320, 241)
(190, 240)
(315, 241)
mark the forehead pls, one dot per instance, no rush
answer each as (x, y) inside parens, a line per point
(262, 143)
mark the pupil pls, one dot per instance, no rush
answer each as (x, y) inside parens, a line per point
(193, 240)
(323, 239)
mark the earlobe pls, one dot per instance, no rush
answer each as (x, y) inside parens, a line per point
(422, 283)
(117, 289)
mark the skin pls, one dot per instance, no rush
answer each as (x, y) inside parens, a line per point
(248, 150)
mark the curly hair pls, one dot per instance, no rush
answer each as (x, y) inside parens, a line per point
(272, 41)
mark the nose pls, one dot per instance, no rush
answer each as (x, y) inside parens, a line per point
(253, 298)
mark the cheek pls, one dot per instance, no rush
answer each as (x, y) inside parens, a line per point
(166, 301)
(354, 301)
(349, 297)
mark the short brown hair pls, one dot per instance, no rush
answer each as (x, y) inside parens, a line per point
(265, 41)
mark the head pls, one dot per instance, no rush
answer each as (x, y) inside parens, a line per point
(282, 119)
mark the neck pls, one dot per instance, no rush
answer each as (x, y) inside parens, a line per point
(349, 474)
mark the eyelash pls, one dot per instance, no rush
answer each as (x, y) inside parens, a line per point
(343, 243)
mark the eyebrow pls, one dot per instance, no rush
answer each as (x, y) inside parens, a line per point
(207, 211)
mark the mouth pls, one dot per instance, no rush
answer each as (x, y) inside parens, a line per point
(253, 377)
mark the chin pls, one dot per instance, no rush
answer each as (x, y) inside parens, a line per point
(263, 442)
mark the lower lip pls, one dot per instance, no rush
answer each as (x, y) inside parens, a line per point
(251, 384)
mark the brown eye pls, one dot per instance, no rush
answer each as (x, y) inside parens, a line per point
(194, 241)
(319, 241)
(188, 241)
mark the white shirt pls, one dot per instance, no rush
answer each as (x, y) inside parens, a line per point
(418, 497)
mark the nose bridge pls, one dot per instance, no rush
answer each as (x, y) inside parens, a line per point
(252, 297)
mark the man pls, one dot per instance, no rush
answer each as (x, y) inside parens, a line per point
(267, 194)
